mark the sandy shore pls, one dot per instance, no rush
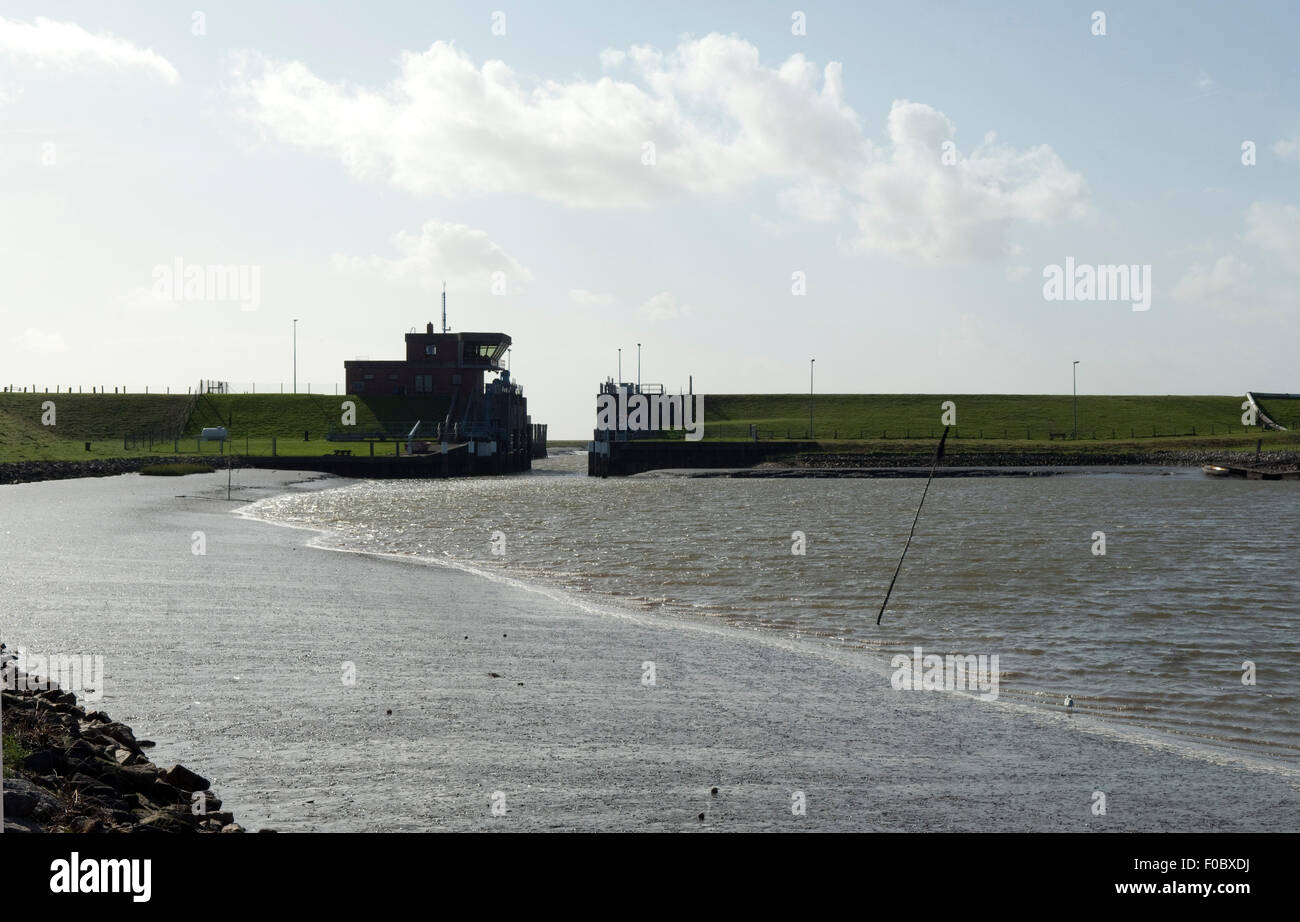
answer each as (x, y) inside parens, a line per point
(233, 662)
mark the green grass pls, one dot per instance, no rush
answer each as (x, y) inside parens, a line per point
(290, 415)
(252, 420)
(1282, 411)
(175, 470)
(1013, 417)
(101, 419)
(14, 754)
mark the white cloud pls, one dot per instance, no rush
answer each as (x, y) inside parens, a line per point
(1203, 81)
(664, 306)
(1227, 279)
(456, 254)
(1287, 149)
(42, 341)
(918, 208)
(719, 120)
(581, 296)
(45, 43)
(1274, 227)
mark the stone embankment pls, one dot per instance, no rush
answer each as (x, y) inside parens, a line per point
(32, 471)
(79, 771)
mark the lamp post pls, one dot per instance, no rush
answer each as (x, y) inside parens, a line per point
(1076, 399)
(295, 355)
(620, 365)
(638, 368)
(812, 431)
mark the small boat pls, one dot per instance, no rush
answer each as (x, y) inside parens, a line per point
(1251, 473)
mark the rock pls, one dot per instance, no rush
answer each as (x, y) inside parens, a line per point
(124, 756)
(90, 787)
(81, 751)
(222, 818)
(122, 734)
(160, 792)
(211, 802)
(41, 762)
(18, 702)
(18, 824)
(163, 822)
(138, 777)
(147, 744)
(233, 827)
(86, 824)
(22, 799)
(110, 804)
(186, 780)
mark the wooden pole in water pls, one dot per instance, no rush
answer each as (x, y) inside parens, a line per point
(938, 453)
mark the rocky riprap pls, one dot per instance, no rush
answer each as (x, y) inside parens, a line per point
(32, 471)
(84, 772)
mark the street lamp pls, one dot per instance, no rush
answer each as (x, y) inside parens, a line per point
(1076, 399)
(295, 355)
(620, 364)
(812, 431)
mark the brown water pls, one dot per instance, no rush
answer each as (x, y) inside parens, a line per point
(1198, 576)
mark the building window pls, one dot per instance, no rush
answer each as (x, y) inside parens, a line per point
(369, 377)
(430, 350)
(455, 379)
(423, 384)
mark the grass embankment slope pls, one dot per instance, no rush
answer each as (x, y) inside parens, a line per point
(1283, 412)
(997, 422)
(101, 419)
(252, 420)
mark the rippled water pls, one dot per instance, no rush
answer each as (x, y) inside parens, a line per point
(1198, 576)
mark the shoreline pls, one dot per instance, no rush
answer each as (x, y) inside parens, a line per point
(465, 688)
(84, 772)
(955, 463)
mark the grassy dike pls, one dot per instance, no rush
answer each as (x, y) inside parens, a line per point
(298, 423)
(991, 427)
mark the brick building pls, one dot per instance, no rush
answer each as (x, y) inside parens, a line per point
(450, 364)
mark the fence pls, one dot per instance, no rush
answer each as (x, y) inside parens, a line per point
(204, 387)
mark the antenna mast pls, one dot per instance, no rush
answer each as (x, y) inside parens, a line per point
(444, 307)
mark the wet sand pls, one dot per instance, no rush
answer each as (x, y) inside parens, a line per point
(233, 662)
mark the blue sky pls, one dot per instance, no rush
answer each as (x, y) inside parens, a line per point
(358, 156)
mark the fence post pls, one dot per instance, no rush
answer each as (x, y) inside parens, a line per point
(272, 446)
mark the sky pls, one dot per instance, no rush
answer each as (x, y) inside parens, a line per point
(738, 187)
